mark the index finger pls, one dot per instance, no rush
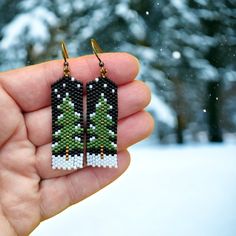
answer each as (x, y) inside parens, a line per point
(30, 86)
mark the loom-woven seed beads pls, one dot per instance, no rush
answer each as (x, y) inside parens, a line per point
(102, 111)
(67, 101)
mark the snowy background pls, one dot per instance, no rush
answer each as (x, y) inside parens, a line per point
(169, 191)
(182, 180)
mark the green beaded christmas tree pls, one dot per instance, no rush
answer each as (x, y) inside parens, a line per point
(101, 127)
(66, 136)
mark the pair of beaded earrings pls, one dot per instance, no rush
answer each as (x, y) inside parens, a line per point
(71, 134)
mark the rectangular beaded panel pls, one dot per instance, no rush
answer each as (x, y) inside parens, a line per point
(67, 124)
(102, 115)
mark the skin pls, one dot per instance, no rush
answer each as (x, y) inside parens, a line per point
(30, 191)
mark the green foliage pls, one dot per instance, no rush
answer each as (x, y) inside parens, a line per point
(66, 135)
(101, 122)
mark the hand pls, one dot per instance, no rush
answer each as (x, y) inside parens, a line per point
(30, 191)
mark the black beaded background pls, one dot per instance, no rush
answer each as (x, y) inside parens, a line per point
(93, 96)
(76, 96)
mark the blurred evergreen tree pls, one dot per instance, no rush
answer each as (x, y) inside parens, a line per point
(186, 48)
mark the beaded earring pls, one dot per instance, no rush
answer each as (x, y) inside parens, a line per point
(67, 120)
(102, 115)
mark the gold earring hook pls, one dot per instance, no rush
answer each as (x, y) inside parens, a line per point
(65, 56)
(97, 49)
(64, 51)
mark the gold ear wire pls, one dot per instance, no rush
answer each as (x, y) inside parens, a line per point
(65, 56)
(64, 51)
(97, 49)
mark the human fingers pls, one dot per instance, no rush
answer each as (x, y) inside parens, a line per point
(132, 98)
(59, 193)
(10, 116)
(30, 86)
(130, 130)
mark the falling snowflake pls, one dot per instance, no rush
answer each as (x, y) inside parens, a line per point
(176, 55)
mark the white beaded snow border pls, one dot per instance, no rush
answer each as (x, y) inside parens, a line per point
(74, 162)
(107, 160)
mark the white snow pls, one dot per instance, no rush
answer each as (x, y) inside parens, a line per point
(107, 160)
(146, 53)
(230, 75)
(137, 25)
(35, 22)
(179, 4)
(167, 191)
(176, 55)
(73, 162)
(162, 111)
